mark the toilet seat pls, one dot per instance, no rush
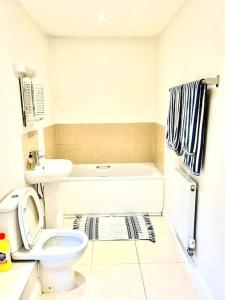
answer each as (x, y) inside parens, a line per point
(44, 244)
(32, 206)
(69, 247)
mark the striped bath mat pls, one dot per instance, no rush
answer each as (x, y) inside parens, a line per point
(105, 228)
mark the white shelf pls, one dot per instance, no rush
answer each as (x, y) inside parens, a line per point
(14, 281)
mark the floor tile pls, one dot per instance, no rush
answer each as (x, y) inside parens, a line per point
(87, 256)
(110, 270)
(116, 282)
(78, 293)
(162, 251)
(160, 226)
(168, 281)
(68, 223)
(114, 252)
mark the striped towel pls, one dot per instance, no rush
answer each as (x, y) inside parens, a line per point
(186, 123)
(174, 120)
(194, 99)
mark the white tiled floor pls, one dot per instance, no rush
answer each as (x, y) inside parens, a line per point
(163, 251)
(111, 252)
(128, 270)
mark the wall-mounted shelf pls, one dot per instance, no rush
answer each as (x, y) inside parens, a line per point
(22, 71)
(31, 95)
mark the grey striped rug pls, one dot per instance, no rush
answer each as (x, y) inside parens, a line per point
(138, 227)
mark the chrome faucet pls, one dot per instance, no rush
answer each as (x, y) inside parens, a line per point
(37, 156)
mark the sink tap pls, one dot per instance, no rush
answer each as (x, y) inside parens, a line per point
(38, 155)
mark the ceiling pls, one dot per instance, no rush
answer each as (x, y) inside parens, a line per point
(126, 18)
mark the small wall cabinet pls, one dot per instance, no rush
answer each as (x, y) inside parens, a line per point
(31, 96)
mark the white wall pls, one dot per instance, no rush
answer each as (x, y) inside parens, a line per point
(113, 80)
(21, 43)
(103, 80)
(193, 47)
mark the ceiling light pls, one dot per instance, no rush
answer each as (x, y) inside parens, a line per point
(102, 17)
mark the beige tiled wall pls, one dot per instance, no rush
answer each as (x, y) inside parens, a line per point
(159, 146)
(100, 143)
(30, 143)
(50, 141)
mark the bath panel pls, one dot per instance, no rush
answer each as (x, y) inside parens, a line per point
(112, 189)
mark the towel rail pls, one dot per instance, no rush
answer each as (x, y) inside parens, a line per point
(210, 81)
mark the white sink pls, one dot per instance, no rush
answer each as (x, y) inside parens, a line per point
(51, 170)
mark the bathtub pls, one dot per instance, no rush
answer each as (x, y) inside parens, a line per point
(112, 189)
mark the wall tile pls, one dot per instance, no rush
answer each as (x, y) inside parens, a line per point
(50, 141)
(143, 152)
(100, 143)
(159, 146)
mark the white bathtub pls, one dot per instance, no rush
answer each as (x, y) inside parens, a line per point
(112, 188)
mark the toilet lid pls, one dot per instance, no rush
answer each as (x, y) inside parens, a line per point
(31, 217)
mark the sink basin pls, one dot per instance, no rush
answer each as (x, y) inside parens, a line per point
(51, 170)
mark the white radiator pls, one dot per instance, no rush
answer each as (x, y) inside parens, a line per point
(183, 206)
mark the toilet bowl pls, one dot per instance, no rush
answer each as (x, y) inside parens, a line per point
(55, 249)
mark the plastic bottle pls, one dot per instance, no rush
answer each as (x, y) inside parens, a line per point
(5, 258)
(30, 162)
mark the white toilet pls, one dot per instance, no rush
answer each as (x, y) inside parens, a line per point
(22, 215)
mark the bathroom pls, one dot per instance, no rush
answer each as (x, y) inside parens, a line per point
(107, 68)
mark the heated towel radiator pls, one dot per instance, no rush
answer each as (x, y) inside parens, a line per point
(183, 209)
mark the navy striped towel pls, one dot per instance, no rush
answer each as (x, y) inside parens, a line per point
(186, 123)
